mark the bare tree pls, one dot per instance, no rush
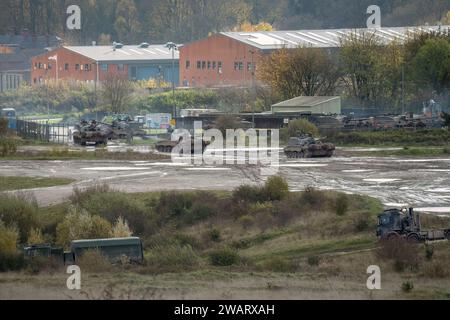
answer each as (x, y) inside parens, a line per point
(116, 91)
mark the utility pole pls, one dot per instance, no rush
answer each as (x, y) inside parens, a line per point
(403, 89)
(172, 46)
(252, 52)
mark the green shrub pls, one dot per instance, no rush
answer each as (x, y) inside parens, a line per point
(224, 257)
(429, 252)
(11, 261)
(407, 286)
(341, 204)
(110, 205)
(247, 193)
(313, 261)
(79, 224)
(276, 188)
(9, 238)
(186, 207)
(214, 235)
(313, 198)
(20, 211)
(8, 146)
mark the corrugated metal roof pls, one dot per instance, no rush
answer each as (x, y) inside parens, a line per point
(271, 40)
(125, 53)
(305, 101)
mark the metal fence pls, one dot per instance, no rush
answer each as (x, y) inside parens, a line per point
(57, 133)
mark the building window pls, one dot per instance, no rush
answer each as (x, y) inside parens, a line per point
(219, 67)
(214, 65)
(77, 67)
(66, 66)
(188, 64)
(40, 65)
(87, 67)
(209, 65)
(203, 64)
(104, 67)
(241, 66)
(35, 65)
(49, 66)
(120, 67)
(199, 64)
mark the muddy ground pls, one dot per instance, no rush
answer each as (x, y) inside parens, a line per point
(397, 181)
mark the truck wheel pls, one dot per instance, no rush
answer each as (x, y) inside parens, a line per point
(413, 238)
(392, 236)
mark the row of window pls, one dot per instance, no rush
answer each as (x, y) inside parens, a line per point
(78, 67)
(212, 65)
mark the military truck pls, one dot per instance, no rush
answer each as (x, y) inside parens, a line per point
(93, 133)
(306, 146)
(115, 250)
(181, 144)
(395, 223)
(124, 127)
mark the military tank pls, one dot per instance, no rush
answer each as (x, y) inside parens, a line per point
(167, 146)
(306, 146)
(92, 133)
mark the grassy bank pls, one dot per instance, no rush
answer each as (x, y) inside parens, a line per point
(422, 152)
(20, 183)
(420, 138)
(60, 153)
(254, 242)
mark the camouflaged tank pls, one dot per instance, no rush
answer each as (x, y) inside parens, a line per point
(92, 133)
(308, 147)
(167, 146)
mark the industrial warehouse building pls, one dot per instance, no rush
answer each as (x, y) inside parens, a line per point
(16, 52)
(94, 63)
(309, 105)
(229, 58)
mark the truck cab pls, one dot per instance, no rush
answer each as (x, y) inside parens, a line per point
(395, 223)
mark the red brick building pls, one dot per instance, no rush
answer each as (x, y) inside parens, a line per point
(93, 63)
(217, 61)
(225, 59)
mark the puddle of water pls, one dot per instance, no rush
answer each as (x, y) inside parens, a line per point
(430, 170)
(302, 165)
(395, 205)
(433, 209)
(112, 169)
(207, 169)
(370, 149)
(421, 160)
(439, 190)
(169, 164)
(381, 180)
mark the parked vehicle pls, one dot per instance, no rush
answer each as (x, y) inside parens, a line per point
(308, 147)
(395, 223)
(115, 250)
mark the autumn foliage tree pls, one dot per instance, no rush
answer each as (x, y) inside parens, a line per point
(299, 72)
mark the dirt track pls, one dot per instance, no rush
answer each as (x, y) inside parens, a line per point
(420, 182)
